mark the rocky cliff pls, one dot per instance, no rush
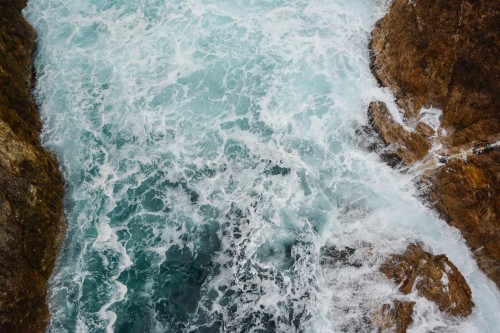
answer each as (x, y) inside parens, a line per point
(31, 187)
(444, 54)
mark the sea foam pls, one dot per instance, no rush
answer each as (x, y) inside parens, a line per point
(211, 158)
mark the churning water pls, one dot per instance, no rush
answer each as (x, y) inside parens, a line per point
(213, 171)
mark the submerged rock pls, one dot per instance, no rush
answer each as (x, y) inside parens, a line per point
(31, 187)
(444, 54)
(277, 170)
(333, 256)
(395, 317)
(433, 277)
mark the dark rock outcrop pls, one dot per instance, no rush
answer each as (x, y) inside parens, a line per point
(31, 186)
(445, 54)
(433, 277)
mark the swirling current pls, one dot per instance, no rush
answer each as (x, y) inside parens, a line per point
(212, 163)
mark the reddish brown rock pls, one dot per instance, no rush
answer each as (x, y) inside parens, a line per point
(476, 184)
(445, 54)
(31, 187)
(410, 146)
(434, 277)
(425, 130)
(395, 317)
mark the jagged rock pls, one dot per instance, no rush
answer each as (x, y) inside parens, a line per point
(410, 146)
(475, 182)
(395, 317)
(433, 276)
(445, 54)
(31, 187)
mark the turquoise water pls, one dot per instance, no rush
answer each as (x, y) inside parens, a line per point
(212, 164)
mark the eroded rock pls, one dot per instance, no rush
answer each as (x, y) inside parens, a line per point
(433, 277)
(444, 54)
(409, 146)
(467, 194)
(425, 130)
(31, 187)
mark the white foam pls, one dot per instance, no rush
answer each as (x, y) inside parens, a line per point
(169, 117)
(432, 117)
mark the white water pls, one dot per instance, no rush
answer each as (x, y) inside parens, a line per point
(210, 155)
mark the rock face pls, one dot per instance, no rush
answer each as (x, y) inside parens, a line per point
(467, 194)
(434, 277)
(31, 187)
(445, 54)
(408, 146)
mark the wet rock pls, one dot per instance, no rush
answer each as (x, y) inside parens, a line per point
(31, 187)
(334, 256)
(467, 194)
(433, 277)
(445, 54)
(409, 146)
(395, 317)
(425, 130)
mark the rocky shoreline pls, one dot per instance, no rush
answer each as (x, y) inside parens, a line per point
(442, 55)
(32, 225)
(431, 54)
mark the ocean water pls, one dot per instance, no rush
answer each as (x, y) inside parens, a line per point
(214, 173)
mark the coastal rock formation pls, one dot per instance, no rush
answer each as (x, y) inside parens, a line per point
(433, 277)
(444, 54)
(409, 146)
(416, 272)
(475, 183)
(31, 186)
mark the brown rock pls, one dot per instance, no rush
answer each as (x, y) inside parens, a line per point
(445, 54)
(467, 194)
(31, 187)
(410, 146)
(394, 318)
(424, 130)
(434, 277)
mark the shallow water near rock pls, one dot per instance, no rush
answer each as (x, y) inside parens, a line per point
(213, 168)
